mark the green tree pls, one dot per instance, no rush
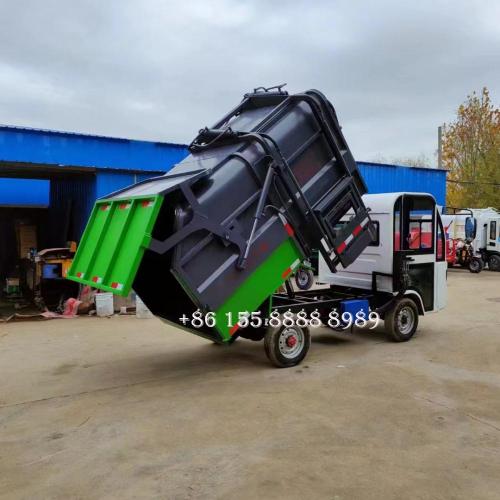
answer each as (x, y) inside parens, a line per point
(471, 153)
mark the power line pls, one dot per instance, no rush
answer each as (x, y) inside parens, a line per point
(473, 182)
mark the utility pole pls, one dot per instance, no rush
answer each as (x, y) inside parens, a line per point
(440, 146)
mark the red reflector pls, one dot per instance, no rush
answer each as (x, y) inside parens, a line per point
(95, 279)
(104, 207)
(114, 284)
(234, 328)
(289, 229)
(286, 272)
(357, 230)
(341, 247)
(146, 203)
(78, 275)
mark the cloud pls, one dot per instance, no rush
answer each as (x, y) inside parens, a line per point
(161, 70)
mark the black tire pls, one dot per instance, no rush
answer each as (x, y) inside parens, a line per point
(476, 265)
(401, 321)
(304, 279)
(278, 349)
(494, 263)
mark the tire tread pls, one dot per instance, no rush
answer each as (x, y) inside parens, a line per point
(390, 320)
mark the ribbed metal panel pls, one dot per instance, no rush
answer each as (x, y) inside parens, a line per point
(67, 149)
(110, 181)
(385, 178)
(24, 192)
(79, 150)
(71, 201)
(72, 198)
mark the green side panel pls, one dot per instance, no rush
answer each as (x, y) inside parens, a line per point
(114, 241)
(261, 284)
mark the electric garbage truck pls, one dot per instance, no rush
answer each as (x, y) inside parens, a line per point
(210, 247)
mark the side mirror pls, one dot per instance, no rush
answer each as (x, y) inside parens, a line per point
(470, 228)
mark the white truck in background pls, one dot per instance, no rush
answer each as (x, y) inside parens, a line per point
(487, 241)
(477, 228)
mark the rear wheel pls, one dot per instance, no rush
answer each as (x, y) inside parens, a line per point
(401, 321)
(476, 265)
(304, 279)
(287, 345)
(494, 263)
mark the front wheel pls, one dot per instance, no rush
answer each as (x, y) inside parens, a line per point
(287, 345)
(401, 321)
(476, 265)
(494, 263)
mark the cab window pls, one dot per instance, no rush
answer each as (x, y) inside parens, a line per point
(418, 224)
(397, 225)
(493, 230)
(440, 241)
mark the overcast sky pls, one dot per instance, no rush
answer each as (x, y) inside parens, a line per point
(160, 70)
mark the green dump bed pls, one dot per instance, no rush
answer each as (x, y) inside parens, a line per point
(113, 243)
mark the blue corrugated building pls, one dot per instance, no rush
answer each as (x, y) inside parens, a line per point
(53, 179)
(69, 171)
(387, 178)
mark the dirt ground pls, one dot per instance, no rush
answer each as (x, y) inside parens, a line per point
(129, 408)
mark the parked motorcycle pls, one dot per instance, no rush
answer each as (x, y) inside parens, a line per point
(466, 257)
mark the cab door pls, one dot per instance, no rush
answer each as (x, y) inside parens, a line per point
(415, 222)
(493, 235)
(440, 266)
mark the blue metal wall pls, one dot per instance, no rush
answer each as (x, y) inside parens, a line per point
(385, 178)
(112, 164)
(68, 149)
(108, 181)
(24, 192)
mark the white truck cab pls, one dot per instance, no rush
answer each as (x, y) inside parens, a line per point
(487, 240)
(407, 258)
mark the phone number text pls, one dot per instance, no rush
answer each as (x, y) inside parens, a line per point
(245, 319)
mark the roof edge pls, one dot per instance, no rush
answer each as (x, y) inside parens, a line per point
(19, 128)
(394, 165)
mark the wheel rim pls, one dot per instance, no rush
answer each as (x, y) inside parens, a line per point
(474, 265)
(302, 278)
(291, 342)
(406, 320)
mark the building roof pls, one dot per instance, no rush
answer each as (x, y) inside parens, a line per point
(84, 135)
(67, 149)
(377, 164)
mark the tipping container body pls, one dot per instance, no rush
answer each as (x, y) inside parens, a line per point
(259, 192)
